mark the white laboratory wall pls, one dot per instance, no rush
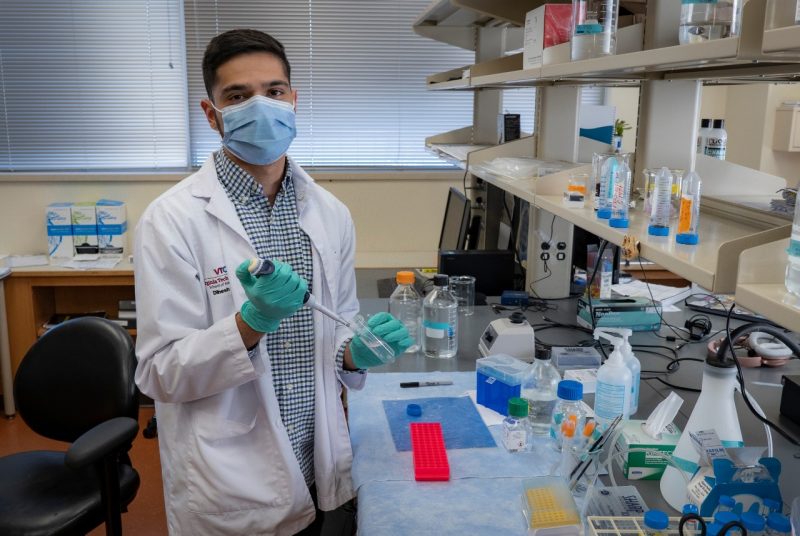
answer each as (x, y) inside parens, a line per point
(750, 121)
(626, 101)
(713, 101)
(398, 216)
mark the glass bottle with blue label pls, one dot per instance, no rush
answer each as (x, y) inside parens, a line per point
(440, 320)
(594, 28)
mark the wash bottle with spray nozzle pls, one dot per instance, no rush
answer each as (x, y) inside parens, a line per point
(613, 392)
(631, 361)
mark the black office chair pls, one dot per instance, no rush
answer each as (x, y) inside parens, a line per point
(75, 384)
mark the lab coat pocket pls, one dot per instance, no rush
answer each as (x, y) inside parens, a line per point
(234, 465)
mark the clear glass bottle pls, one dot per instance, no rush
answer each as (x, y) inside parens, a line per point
(689, 215)
(440, 320)
(405, 304)
(704, 20)
(594, 28)
(655, 523)
(569, 416)
(661, 204)
(516, 430)
(539, 389)
(792, 280)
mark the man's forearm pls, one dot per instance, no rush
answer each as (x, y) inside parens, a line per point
(250, 337)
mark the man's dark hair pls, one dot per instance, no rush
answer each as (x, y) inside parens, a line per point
(233, 43)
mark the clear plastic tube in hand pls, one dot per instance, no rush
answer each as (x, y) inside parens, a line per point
(358, 324)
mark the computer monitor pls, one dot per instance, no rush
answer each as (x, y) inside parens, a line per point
(456, 221)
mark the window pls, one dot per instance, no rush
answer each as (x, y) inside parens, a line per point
(92, 85)
(360, 74)
(521, 101)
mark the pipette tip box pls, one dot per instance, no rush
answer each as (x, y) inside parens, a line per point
(430, 456)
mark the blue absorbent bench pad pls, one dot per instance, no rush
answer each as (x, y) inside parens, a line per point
(462, 426)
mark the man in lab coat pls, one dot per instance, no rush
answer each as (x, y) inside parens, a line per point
(246, 380)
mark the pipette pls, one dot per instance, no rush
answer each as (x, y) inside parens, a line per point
(376, 345)
(259, 267)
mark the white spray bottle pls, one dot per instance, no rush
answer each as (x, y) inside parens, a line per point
(631, 362)
(613, 393)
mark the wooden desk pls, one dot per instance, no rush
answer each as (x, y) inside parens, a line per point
(35, 293)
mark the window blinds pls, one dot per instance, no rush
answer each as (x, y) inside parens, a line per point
(92, 85)
(359, 70)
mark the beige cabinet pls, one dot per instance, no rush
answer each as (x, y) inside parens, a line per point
(787, 129)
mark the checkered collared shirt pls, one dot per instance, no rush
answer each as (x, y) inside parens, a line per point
(275, 233)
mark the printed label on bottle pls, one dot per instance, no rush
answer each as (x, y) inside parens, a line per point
(438, 330)
(609, 400)
(635, 390)
(685, 215)
(514, 440)
(794, 248)
(715, 147)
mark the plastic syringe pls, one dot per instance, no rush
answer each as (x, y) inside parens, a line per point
(259, 267)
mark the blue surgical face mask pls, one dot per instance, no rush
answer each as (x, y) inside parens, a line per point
(259, 130)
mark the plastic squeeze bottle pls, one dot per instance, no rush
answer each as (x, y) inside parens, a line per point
(631, 361)
(613, 392)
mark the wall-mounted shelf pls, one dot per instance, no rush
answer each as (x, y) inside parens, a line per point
(711, 264)
(761, 288)
(717, 61)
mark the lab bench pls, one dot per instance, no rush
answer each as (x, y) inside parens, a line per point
(476, 502)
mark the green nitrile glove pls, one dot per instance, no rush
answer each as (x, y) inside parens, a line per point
(387, 328)
(271, 298)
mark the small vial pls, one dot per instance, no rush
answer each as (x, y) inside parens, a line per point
(691, 525)
(661, 204)
(726, 503)
(655, 523)
(778, 525)
(516, 430)
(754, 523)
(568, 414)
(620, 196)
(689, 216)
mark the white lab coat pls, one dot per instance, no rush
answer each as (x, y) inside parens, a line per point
(227, 462)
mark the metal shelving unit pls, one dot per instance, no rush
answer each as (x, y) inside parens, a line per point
(670, 78)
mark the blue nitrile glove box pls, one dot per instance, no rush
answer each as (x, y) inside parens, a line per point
(499, 379)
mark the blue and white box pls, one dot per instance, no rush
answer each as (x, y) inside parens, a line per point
(84, 228)
(112, 226)
(59, 230)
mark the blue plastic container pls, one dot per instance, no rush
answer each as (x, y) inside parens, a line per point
(499, 378)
